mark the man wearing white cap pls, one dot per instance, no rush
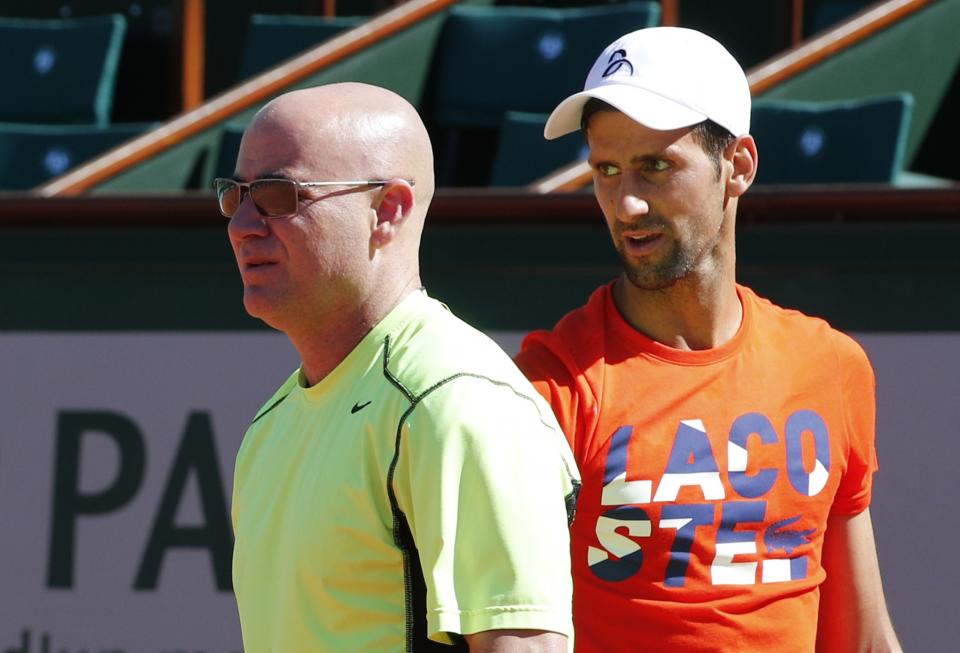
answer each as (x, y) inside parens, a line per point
(726, 445)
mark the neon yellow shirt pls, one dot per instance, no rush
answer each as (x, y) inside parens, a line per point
(420, 489)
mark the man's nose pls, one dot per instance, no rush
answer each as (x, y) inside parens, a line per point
(633, 202)
(247, 221)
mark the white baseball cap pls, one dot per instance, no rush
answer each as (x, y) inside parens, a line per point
(664, 78)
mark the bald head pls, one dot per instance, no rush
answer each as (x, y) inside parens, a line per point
(351, 251)
(352, 131)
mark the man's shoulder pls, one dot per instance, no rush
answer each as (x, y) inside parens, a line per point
(796, 326)
(453, 373)
(436, 346)
(567, 354)
(579, 330)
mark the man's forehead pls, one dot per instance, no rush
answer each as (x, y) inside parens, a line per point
(259, 158)
(268, 148)
(606, 129)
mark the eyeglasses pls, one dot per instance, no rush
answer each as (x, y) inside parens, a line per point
(274, 198)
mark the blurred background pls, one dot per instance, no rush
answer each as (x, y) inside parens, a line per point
(131, 370)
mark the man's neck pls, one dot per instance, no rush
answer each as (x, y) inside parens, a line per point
(693, 314)
(325, 343)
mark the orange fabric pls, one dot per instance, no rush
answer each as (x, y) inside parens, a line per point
(708, 476)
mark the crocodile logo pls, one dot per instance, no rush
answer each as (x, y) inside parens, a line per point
(786, 540)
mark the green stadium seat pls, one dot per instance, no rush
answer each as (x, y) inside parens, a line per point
(60, 71)
(501, 58)
(524, 155)
(855, 141)
(272, 39)
(32, 154)
(228, 150)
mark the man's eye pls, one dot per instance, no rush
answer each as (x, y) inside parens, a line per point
(658, 165)
(608, 170)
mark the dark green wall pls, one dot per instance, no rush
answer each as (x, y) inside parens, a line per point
(864, 277)
(882, 277)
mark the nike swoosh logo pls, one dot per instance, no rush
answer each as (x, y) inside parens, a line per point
(358, 406)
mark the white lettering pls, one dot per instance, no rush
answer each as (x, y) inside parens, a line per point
(617, 544)
(724, 571)
(708, 482)
(621, 492)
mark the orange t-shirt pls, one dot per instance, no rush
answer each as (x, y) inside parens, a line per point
(708, 476)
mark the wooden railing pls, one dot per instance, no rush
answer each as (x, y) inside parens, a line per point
(192, 53)
(242, 97)
(765, 76)
(670, 12)
(796, 22)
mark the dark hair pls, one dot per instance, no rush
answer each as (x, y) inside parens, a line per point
(710, 136)
(714, 139)
(592, 107)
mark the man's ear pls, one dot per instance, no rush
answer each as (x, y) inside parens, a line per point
(745, 161)
(394, 204)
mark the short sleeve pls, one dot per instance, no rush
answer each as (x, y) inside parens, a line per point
(859, 403)
(483, 478)
(555, 383)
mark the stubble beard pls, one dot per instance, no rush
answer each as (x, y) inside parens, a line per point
(675, 264)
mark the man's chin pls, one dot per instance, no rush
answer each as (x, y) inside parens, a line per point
(652, 279)
(258, 304)
(652, 285)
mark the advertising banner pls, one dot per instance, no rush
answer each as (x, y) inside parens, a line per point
(116, 463)
(116, 456)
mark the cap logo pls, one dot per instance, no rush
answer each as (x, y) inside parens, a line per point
(617, 61)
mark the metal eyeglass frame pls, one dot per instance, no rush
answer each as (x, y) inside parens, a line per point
(244, 187)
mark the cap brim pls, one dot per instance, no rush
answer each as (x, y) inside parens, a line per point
(641, 105)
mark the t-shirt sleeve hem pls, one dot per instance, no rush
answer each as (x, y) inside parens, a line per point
(442, 622)
(851, 508)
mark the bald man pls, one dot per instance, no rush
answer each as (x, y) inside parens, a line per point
(406, 487)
